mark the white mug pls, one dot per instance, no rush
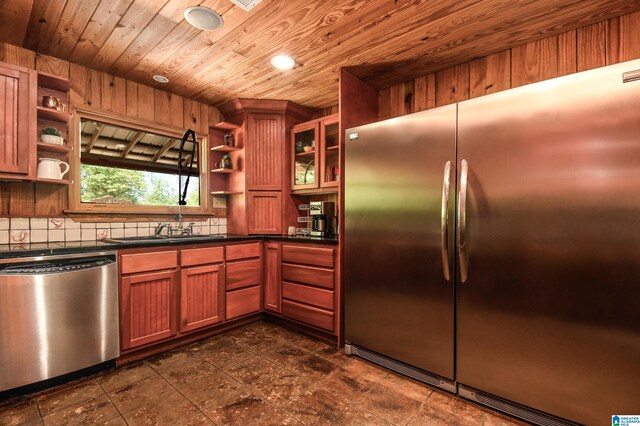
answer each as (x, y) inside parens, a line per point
(49, 168)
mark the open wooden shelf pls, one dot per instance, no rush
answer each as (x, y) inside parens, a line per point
(224, 171)
(53, 115)
(61, 149)
(226, 192)
(306, 154)
(333, 148)
(225, 148)
(224, 125)
(53, 82)
(58, 181)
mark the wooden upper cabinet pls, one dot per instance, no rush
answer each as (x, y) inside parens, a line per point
(265, 153)
(18, 87)
(329, 167)
(315, 150)
(201, 297)
(265, 212)
(305, 147)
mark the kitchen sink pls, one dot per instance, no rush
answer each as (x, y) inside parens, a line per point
(160, 238)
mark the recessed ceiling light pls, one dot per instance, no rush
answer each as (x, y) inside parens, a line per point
(203, 18)
(283, 62)
(160, 78)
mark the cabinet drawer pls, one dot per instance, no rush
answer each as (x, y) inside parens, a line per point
(144, 262)
(202, 256)
(243, 251)
(243, 302)
(314, 256)
(243, 274)
(310, 295)
(314, 316)
(308, 275)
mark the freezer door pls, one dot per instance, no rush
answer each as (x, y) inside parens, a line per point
(548, 314)
(397, 300)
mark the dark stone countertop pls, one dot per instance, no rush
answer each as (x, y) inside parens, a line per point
(72, 247)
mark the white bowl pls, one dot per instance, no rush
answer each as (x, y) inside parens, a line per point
(52, 139)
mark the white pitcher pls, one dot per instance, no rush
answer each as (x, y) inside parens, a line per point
(49, 168)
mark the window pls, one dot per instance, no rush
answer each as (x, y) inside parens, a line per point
(123, 168)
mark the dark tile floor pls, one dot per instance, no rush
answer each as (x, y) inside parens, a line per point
(260, 374)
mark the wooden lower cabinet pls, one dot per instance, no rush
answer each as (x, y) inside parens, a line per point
(168, 292)
(272, 277)
(148, 308)
(243, 302)
(307, 285)
(201, 303)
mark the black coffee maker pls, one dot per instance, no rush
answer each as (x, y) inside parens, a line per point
(322, 215)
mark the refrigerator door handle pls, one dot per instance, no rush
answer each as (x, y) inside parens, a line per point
(462, 221)
(444, 221)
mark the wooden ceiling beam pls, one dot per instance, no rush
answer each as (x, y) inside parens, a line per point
(166, 147)
(94, 137)
(137, 137)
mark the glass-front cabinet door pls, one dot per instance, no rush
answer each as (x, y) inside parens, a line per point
(330, 156)
(306, 147)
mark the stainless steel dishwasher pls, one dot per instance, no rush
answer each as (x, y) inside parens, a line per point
(58, 314)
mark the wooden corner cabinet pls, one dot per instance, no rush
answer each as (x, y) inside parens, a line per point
(18, 88)
(315, 150)
(260, 202)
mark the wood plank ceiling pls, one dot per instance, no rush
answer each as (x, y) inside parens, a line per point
(382, 41)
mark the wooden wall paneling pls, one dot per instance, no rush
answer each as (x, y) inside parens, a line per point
(490, 74)
(146, 102)
(21, 199)
(17, 56)
(168, 108)
(397, 100)
(86, 86)
(591, 49)
(384, 110)
(534, 61)
(452, 85)
(14, 19)
(567, 53)
(214, 116)
(204, 118)
(424, 92)
(73, 21)
(623, 43)
(50, 200)
(192, 116)
(5, 194)
(52, 65)
(132, 99)
(114, 94)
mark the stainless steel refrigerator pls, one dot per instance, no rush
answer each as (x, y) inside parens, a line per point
(545, 263)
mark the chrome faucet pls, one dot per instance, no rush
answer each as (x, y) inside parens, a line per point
(160, 227)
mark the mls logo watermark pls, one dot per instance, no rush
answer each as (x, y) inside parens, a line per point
(619, 420)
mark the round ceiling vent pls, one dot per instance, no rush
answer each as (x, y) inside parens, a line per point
(160, 78)
(203, 18)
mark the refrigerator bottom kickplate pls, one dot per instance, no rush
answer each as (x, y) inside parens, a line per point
(511, 408)
(399, 367)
